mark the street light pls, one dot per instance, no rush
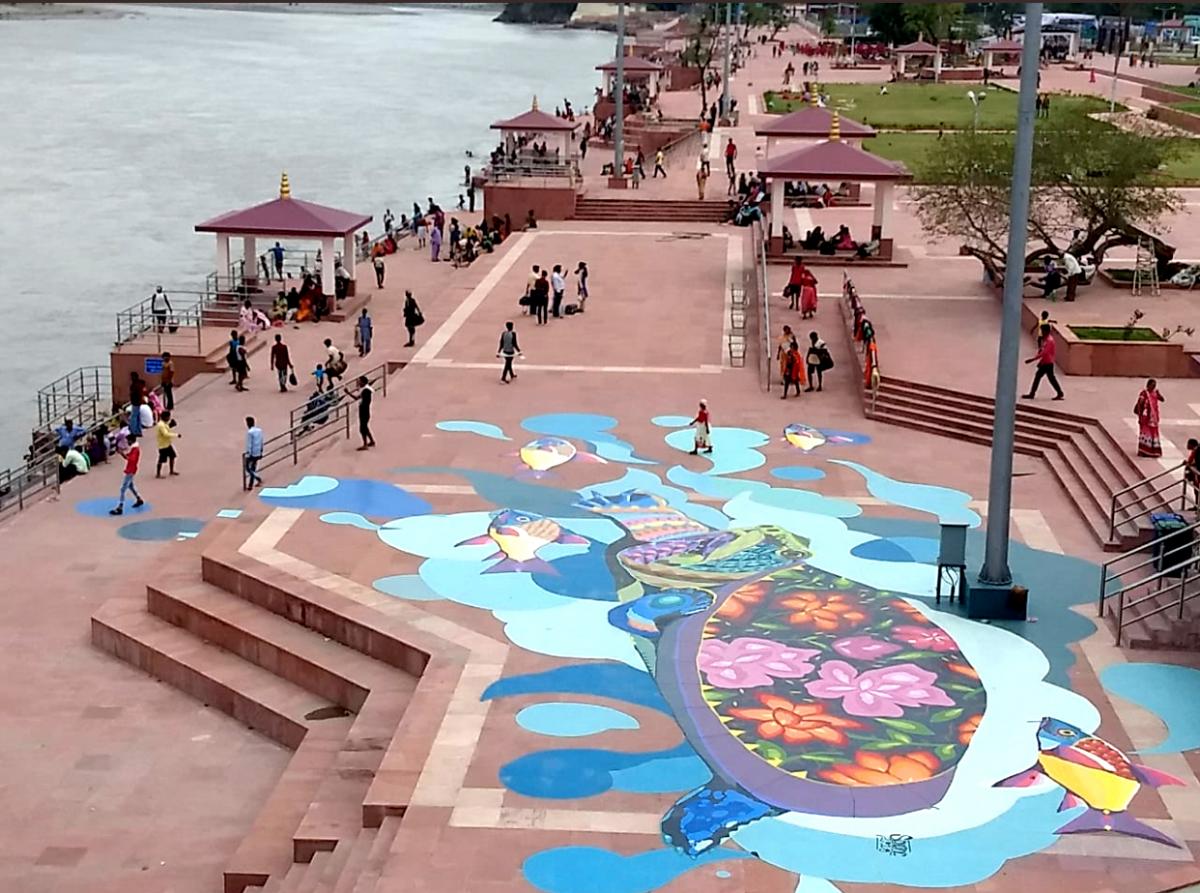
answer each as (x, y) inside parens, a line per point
(976, 98)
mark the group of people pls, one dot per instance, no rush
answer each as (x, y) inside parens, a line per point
(545, 290)
(796, 369)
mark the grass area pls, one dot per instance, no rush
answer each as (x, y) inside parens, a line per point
(910, 148)
(1193, 107)
(1114, 333)
(929, 106)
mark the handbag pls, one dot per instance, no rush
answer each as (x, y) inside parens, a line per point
(419, 319)
(173, 325)
(292, 379)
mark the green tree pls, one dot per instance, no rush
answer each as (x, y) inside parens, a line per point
(1088, 177)
(704, 48)
(775, 16)
(900, 23)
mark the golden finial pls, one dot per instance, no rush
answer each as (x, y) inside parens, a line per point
(814, 98)
(285, 189)
(835, 126)
(535, 108)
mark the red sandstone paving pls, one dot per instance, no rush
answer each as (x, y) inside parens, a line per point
(109, 771)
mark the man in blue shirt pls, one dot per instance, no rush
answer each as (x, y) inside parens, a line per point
(67, 434)
(253, 453)
(277, 251)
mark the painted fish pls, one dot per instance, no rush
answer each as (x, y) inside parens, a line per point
(1095, 774)
(546, 453)
(803, 436)
(520, 536)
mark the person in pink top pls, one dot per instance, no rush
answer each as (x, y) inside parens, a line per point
(1045, 366)
(1147, 413)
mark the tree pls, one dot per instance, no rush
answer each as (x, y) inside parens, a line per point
(775, 16)
(1088, 177)
(901, 23)
(701, 50)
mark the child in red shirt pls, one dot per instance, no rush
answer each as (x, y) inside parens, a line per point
(132, 456)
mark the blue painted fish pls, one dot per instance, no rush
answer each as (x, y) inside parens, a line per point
(546, 453)
(1095, 774)
(520, 536)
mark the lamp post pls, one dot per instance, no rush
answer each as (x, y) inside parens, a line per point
(976, 98)
(619, 123)
(995, 571)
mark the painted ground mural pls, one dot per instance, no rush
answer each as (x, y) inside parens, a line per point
(831, 721)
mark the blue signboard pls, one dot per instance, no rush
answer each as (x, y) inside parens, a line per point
(154, 365)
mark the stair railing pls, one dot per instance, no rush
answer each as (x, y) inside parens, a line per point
(1160, 497)
(1169, 557)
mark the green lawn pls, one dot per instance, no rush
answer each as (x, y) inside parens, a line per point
(1193, 107)
(910, 148)
(1114, 333)
(929, 106)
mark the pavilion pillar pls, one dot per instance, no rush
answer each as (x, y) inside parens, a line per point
(350, 262)
(884, 197)
(778, 205)
(327, 270)
(937, 67)
(222, 261)
(249, 261)
(770, 145)
(988, 58)
(901, 64)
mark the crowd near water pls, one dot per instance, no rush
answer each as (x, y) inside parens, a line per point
(142, 126)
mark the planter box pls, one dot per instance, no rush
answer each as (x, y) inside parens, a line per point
(1120, 359)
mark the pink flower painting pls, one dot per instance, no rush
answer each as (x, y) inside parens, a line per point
(882, 692)
(747, 662)
(927, 638)
(864, 647)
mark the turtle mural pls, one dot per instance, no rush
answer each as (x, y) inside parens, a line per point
(802, 691)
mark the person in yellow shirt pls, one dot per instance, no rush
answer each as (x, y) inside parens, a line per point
(164, 435)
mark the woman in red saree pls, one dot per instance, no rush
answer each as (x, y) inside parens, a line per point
(1147, 414)
(802, 286)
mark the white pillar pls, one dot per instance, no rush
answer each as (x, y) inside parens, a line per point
(249, 258)
(988, 59)
(937, 67)
(222, 261)
(777, 207)
(349, 255)
(901, 64)
(884, 196)
(327, 279)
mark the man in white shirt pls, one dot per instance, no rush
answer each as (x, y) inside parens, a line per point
(160, 306)
(558, 285)
(1074, 273)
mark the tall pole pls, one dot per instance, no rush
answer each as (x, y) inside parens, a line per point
(619, 124)
(1118, 52)
(995, 563)
(728, 55)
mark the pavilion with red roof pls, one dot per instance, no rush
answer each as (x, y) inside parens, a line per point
(285, 217)
(636, 69)
(918, 49)
(834, 161)
(1005, 49)
(534, 124)
(811, 124)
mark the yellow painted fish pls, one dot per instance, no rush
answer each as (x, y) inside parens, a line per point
(803, 436)
(519, 536)
(1094, 774)
(546, 453)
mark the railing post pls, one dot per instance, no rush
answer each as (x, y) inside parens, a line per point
(1183, 575)
(1120, 618)
(383, 383)
(1112, 520)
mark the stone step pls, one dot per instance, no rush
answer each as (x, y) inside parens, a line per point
(935, 421)
(335, 865)
(359, 852)
(267, 848)
(220, 679)
(308, 881)
(368, 878)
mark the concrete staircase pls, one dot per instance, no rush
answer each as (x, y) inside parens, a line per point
(671, 211)
(340, 686)
(1084, 458)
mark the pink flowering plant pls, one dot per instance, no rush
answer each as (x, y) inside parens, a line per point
(821, 669)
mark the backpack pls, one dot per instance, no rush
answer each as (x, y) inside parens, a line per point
(826, 360)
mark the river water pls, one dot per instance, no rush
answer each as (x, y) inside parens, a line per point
(122, 134)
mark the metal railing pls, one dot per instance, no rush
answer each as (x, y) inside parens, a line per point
(534, 168)
(1171, 556)
(21, 487)
(869, 347)
(758, 238)
(1125, 501)
(321, 418)
(71, 395)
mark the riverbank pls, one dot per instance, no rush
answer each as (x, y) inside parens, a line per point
(34, 12)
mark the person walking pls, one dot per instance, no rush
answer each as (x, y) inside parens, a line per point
(1045, 366)
(281, 362)
(242, 363)
(1148, 416)
(377, 263)
(541, 298)
(253, 453)
(412, 317)
(164, 434)
(277, 254)
(700, 424)
(166, 380)
(783, 345)
(731, 152)
(335, 363)
(558, 285)
(365, 395)
(509, 349)
(421, 226)
(794, 369)
(581, 272)
(639, 163)
(701, 180)
(363, 331)
(658, 164)
(818, 360)
(133, 455)
(160, 307)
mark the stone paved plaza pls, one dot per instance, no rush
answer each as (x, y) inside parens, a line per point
(530, 642)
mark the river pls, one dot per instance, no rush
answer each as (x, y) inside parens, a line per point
(122, 134)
